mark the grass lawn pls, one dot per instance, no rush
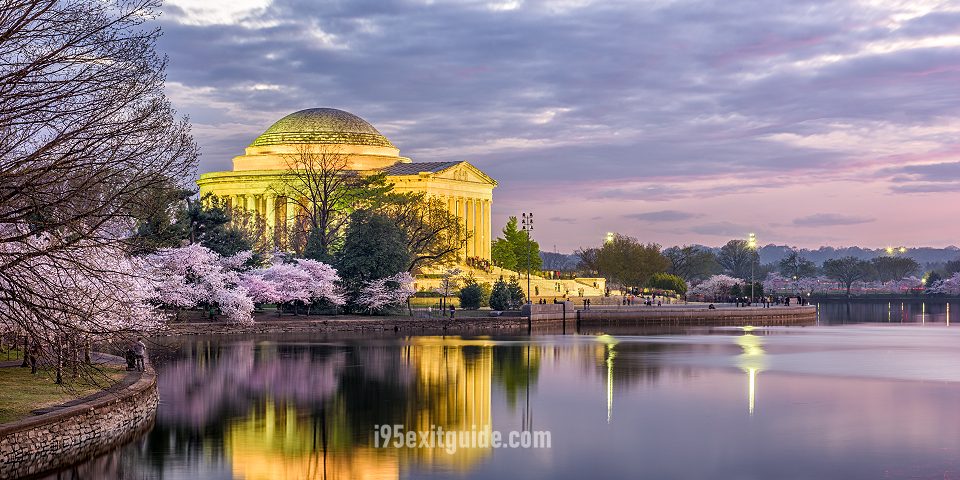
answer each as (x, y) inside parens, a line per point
(7, 353)
(21, 392)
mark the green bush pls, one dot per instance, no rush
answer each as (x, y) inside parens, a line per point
(517, 296)
(485, 299)
(666, 281)
(506, 296)
(471, 296)
(500, 296)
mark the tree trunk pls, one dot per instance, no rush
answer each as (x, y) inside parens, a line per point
(59, 363)
(26, 351)
(75, 359)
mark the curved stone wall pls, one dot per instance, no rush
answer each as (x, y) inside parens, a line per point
(699, 316)
(73, 434)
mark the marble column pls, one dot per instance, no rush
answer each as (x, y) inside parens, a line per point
(271, 215)
(470, 217)
(291, 213)
(477, 228)
(481, 231)
(488, 227)
(462, 219)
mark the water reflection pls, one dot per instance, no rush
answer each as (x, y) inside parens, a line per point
(921, 311)
(837, 402)
(751, 361)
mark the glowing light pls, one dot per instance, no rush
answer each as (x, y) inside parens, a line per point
(610, 356)
(889, 250)
(903, 249)
(752, 361)
(608, 238)
(752, 241)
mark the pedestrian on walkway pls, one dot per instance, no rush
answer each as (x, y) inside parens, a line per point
(140, 351)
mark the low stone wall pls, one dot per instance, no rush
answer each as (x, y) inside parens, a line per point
(549, 311)
(643, 315)
(77, 433)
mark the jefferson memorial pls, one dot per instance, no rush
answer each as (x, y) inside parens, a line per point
(256, 182)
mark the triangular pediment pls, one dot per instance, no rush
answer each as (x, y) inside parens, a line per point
(465, 172)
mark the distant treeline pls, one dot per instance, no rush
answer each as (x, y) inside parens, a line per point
(928, 257)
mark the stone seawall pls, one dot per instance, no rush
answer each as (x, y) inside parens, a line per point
(77, 433)
(549, 311)
(699, 316)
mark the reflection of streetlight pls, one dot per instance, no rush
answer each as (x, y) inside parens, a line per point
(751, 361)
(610, 342)
(752, 244)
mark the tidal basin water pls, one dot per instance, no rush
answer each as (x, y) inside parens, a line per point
(861, 400)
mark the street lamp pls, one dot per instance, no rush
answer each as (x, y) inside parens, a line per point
(527, 226)
(752, 244)
(895, 250)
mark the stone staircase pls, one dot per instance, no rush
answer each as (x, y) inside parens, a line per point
(542, 287)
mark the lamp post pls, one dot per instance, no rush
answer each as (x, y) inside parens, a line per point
(752, 244)
(527, 226)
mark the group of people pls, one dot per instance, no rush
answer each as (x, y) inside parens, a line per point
(767, 301)
(135, 354)
(648, 301)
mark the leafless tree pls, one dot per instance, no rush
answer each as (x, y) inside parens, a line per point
(86, 134)
(322, 185)
(435, 236)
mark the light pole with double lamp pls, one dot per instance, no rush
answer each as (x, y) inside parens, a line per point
(527, 226)
(752, 245)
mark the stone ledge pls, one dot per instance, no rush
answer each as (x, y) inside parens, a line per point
(700, 316)
(76, 433)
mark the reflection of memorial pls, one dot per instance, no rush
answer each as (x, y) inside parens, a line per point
(440, 383)
(278, 441)
(751, 361)
(452, 392)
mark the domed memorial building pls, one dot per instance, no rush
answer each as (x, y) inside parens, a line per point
(257, 180)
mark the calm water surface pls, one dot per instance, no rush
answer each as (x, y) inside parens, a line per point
(877, 400)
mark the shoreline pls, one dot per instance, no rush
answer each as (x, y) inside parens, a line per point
(79, 430)
(672, 316)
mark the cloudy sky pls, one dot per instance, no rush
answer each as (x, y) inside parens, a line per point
(806, 122)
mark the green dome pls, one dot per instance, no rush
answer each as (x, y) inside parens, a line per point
(322, 125)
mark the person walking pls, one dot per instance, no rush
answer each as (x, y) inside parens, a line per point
(140, 351)
(34, 355)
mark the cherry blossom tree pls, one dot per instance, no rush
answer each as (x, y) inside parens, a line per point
(777, 283)
(104, 294)
(194, 276)
(715, 286)
(947, 286)
(378, 295)
(301, 280)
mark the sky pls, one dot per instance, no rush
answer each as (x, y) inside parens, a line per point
(677, 122)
